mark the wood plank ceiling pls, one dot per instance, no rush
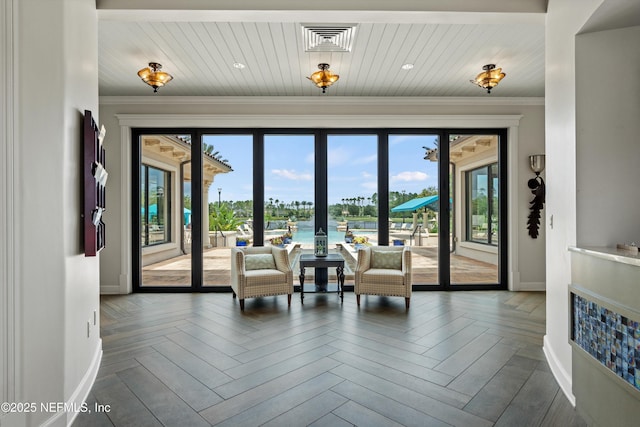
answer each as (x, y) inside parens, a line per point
(200, 54)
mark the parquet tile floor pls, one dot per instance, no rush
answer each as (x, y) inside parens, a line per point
(453, 359)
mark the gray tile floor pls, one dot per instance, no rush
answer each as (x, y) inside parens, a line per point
(459, 359)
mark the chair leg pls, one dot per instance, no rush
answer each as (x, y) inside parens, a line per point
(242, 305)
(289, 300)
(406, 302)
(358, 299)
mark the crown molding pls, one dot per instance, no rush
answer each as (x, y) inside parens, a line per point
(320, 100)
(325, 121)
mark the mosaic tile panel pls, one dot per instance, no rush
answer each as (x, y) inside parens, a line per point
(612, 339)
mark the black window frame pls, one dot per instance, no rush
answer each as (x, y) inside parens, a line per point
(320, 201)
(492, 209)
(168, 221)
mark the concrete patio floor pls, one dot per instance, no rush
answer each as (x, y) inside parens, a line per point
(217, 265)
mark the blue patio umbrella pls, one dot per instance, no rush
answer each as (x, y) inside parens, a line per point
(417, 203)
(153, 210)
(187, 216)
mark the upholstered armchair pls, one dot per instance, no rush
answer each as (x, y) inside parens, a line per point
(385, 271)
(259, 272)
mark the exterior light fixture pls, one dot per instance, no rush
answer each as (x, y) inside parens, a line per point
(155, 78)
(489, 78)
(537, 187)
(323, 78)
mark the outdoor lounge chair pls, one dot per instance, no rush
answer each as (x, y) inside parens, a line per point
(242, 233)
(384, 271)
(260, 271)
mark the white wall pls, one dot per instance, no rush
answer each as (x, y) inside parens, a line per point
(564, 20)
(56, 287)
(7, 259)
(608, 150)
(527, 270)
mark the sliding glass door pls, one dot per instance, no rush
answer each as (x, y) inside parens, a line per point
(289, 176)
(414, 198)
(476, 195)
(163, 196)
(227, 203)
(352, 189)
(199, 193)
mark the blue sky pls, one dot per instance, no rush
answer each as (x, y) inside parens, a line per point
(352, 159)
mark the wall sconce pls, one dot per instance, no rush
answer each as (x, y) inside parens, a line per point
(536, 163)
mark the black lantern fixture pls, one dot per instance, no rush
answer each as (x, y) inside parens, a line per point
(536, 163)
(320, 243)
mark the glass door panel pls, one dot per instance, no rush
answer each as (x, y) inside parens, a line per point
(289, 194)
(414, 201)
(475, 196)
(227, 200)
(352, 189)
(165, 244)
(352, 196)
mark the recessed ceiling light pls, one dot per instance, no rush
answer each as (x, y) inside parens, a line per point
(407, 66)
(238, 65)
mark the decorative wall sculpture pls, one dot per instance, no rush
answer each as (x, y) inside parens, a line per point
(95, 179)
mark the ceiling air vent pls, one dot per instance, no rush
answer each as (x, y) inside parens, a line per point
(328, 38)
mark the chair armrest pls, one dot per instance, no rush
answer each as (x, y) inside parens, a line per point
(281, 258)
(364, 260)
(406, 264)
(237, 266)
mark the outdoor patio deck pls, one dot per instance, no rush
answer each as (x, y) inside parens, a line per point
(217, 264)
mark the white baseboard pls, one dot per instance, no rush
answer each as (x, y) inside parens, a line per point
(110, 290)
(80, 394)
(561, 375)
(532, 286)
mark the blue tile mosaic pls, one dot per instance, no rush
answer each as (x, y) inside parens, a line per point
(612, 339)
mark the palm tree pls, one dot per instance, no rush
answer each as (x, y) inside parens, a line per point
(206, 148)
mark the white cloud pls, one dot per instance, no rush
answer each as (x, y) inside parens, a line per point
(338, 156)
(292, 174)
(311, 158)
(364, 160)
(397, 139)
(408, 176)
(370, 185)
(367, 175)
